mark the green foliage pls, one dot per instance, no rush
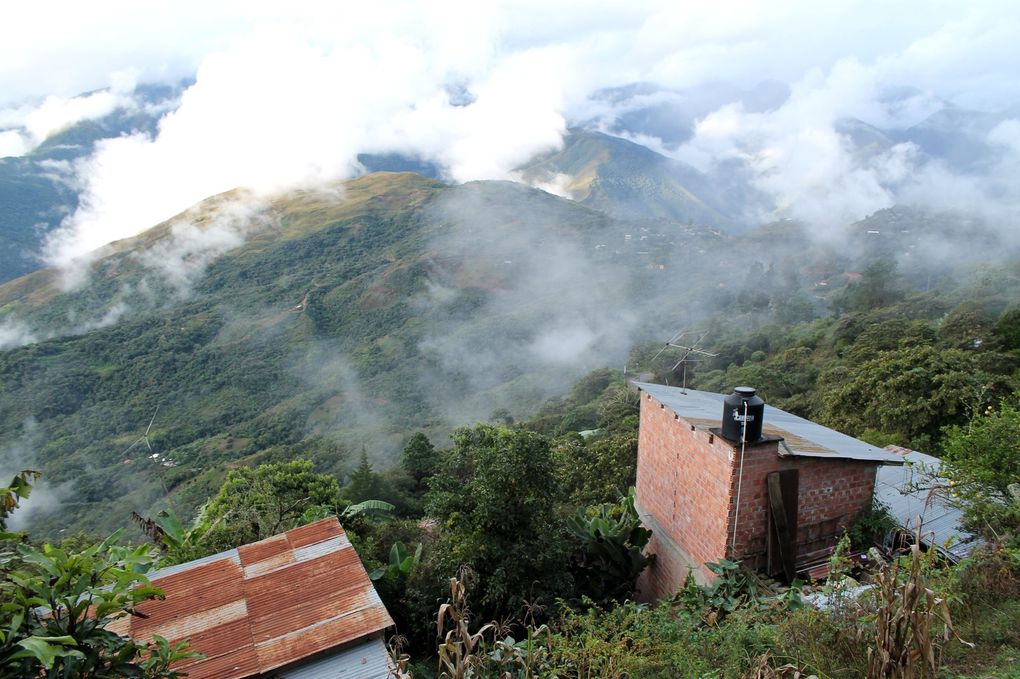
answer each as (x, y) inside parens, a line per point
(982, 459)
(56, 605)
(495, 496)
(401, 563)
(364, 483)
(595, 470)
(419, 459)
(10, 497)
(599, 400)
(880, 286)
(986, 452)
(610, 556)
(1007, 329)
(177, 541)
(254, 504)
(631, 641)
(733, 588)
(870, 527)
(913, 390)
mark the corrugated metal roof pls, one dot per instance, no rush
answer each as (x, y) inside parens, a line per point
(366, 660)
(803, 438)
(906, 491)
(267, 605)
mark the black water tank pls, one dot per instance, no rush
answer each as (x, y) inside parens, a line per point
(742, 401)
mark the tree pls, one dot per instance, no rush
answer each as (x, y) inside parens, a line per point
(419, 458)
(880, 286)
(364, 483)
(598, 470)
(1007, 329)
(56, 605)
(12, 495)
(911, 391)
(254, 504)
(495, 495)
(982, 459)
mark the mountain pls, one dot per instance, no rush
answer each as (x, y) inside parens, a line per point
(39, 189)
(322, 322)
(958, 137)
(649, 110)
(630, 181)
(330, 320)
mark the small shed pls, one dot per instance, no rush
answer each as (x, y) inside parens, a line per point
(298, 605)
(777, 501)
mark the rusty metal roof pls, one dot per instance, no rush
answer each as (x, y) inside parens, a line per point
(264, 606)
(802, 438)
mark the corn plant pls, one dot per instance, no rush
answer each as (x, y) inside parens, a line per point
(457, 649)
(912, 623)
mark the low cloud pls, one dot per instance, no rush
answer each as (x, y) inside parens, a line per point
(288, 98)
(45, 498)
(32, 125)
(341, 407)
(14, 333)
(546, 302)
(830, 155)
(196, 240)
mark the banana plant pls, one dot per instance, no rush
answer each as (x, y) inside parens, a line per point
(610, 540)
(178, 542)
(401, 563)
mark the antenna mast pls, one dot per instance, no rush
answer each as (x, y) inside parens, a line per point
(687, 351)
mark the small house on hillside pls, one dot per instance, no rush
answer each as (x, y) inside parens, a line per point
(728, 477)
(298, 605)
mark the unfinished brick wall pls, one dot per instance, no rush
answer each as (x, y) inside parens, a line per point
(687, 490)
(831, 493)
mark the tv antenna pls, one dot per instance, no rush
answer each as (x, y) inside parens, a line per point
(688, 348)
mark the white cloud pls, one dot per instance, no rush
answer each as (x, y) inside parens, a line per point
(289, 94)
(35, 124)
(14, 334)
(1006, 134)
(13, 143)
(196, 241)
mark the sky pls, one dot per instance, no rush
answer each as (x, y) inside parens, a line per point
(288, 94)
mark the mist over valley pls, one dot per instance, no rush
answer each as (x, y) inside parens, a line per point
(302, 241)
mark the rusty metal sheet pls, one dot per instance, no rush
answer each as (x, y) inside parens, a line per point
(315, 551)
(265, 549)
(206, 588)
(316, 532)
(273, 611)
(266, 605)
(190, 625)
(280, 651)
(269, 564)
(217, 639)
(232, 664)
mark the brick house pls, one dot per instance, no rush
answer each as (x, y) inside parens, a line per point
(777, 503)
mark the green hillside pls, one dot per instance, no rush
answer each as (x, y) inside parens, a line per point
(628, 180)
(345, 318)
(358, 314)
